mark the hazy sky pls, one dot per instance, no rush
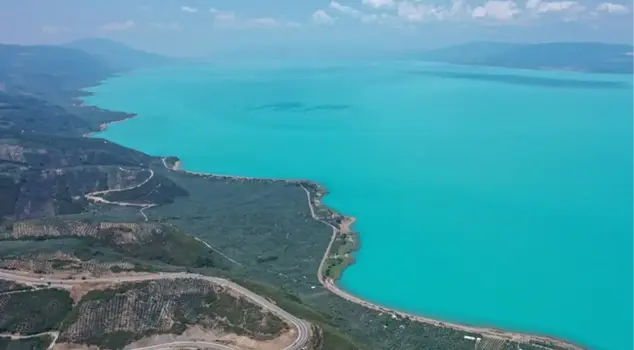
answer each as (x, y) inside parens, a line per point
(207, 27)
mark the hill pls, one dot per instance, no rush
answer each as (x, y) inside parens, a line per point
(46, 164)
(118, 56)
(587, 57)
(76, 207)
(96, 247)
(73, 206)
(52, 73)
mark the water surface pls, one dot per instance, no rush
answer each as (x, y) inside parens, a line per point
(484, 196)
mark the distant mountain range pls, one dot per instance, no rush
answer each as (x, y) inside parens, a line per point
(56, 73)
(587, 57)
(118, 56)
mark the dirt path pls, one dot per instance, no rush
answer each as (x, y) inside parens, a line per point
(95, 196)
(54, 334)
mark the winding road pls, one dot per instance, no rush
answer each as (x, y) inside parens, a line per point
(303, 328)
(331, 286)
(94, 196)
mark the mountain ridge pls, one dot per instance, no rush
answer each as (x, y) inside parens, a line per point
(591, 57)
(119, 56)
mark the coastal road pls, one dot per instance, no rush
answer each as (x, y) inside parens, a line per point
(490, 332)
(331, 286)
(302, 327)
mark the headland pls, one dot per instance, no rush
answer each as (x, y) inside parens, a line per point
(340, 254)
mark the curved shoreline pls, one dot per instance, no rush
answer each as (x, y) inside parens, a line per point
(330, 284)
(314, 203)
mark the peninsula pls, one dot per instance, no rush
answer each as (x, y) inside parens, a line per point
(114, 248)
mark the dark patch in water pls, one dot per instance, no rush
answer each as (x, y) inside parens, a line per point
(528, 81)
(299, 107)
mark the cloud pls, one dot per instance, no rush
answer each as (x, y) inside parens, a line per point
(117, 26)
(227, 19)
(262, 22)
(268, 22)
(422, 12)
(345, 9)
(412, 12)
(53, 30)
(611, 7)
(189, 9)
(222, 16)
(378, 3)
(360, 15)
(144, 8)
(539, 6)
(321, 17)
(498, 10)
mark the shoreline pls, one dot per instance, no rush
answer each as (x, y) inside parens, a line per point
(343, 225)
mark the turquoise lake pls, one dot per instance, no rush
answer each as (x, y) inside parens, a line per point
(492, 197)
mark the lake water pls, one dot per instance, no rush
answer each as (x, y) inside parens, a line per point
(484, 196)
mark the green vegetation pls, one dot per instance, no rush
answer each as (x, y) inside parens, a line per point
(35, 343)
(341, 254)
(332, 339)
(173, 247)
(250, 218)
(10, 286)
(114, 340)
(148, 191)
(164, 306)
(38, 116)
(46, 167)
(33, 312)
(142, 245)
(53, 73)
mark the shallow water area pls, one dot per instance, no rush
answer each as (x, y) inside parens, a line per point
(484, 196)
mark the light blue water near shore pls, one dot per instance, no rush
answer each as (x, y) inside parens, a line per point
(484, 196)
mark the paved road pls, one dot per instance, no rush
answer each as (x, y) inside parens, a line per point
(302, 327)
(187, 345)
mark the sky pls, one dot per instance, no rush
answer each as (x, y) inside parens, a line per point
(203, 28)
